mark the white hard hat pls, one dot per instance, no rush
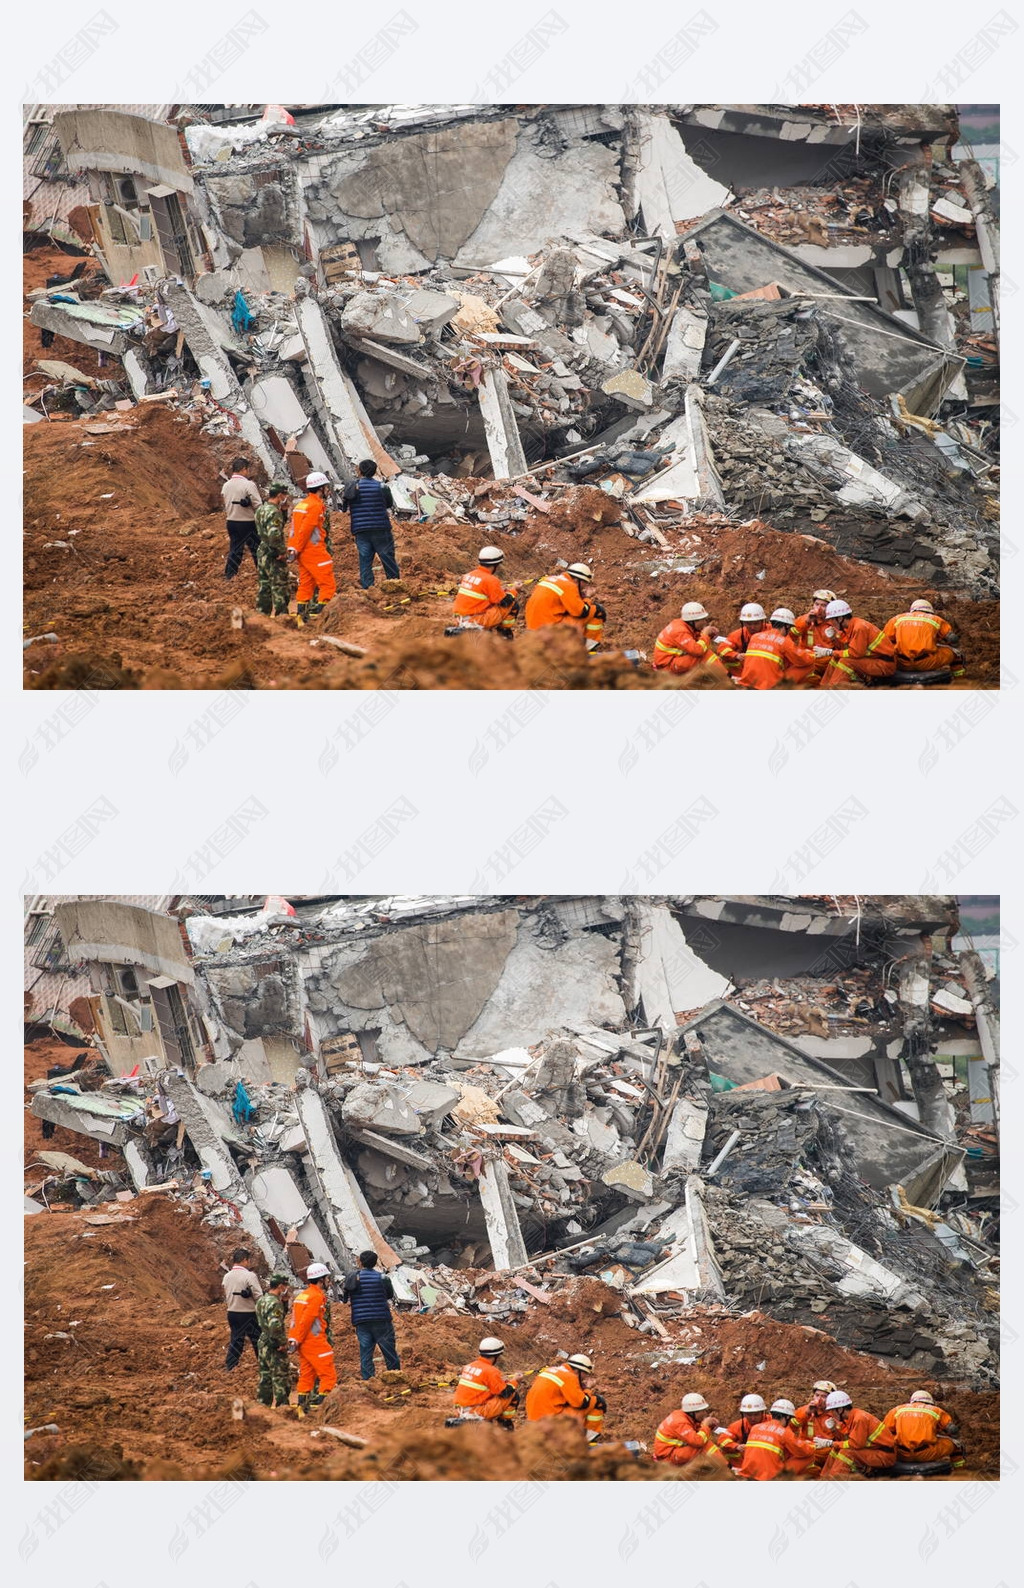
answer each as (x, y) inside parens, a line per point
(694, 1403)
(490, 1345)
(837, 1400)
(752, 613)
(839, 609)
(315, 479)
(824, 1386)
(579, 570)
(693, 612)
(824, 595)
(578, 1359)
(783, 615)
(923, 1397)
(491, 554)
(753, 1403)
(921, 606)
(784, 1408)
(317, 1271)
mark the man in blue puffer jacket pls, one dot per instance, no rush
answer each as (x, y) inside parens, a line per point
(367, 502)
(370, 1294)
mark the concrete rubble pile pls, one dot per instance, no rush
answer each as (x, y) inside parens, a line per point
(609, 296)
(508, 1097)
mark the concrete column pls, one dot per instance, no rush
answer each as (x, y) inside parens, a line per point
(350, 435)
(349, 1224)
(684, 1137)
(684, 344)
(503, 442)
(987, 1019)
(508, 1249)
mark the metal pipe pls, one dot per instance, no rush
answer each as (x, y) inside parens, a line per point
(726, 1150)
(723, 361)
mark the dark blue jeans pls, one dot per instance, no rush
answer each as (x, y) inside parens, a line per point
(379, 543)
(376, 1331)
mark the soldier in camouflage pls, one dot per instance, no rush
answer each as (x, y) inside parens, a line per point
(275, 1384)
(274, 591)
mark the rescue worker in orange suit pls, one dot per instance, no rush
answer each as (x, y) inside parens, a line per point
(924, 642)
(752, 1411)
(307, 1337)
(924, 1432)
(690, 1432)
(861, 650)
(307, 546)
(813, 1421)
(815, 631)
(481, 601)
(692, 640)
(565, 1390)
(483, 1392)
(774, 1447)
(564, 598)
(753, 620)
(774, 655)
(862, 1443)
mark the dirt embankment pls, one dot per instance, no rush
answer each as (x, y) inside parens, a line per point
(140, 1389)
(137, 597)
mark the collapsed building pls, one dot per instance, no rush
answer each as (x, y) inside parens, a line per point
(786, 1106)
(731, 313)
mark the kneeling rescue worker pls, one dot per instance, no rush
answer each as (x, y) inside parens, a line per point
(690, 1432)
(691, 640)
(773, 1447)
(564, 1389)
(753, 620)
(924, 1432)
(481, 601)
(752, 1411)
(773, 655)
(861, 650)
(482, 1392)
(924, 642)
(308, 1338)
(862, 1443)
(559, 598)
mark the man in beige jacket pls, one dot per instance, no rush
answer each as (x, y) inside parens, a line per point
(241, 499)
(242, 1290)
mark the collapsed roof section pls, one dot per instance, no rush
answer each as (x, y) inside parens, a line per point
(462, 1082)
(581, 292)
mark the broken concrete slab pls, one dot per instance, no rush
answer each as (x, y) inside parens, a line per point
(684, 344)
(630, 388)
(667, 184)
(350, 435)
(393, 1148)
(382, 317)
(430, 310)
(105, 1119)
(508, 1248)
(503, 440)
(859, 483)
(632, 1179)
(666, 976)
(382, 1108)
(348, 1228)
(431, 1101)
(684, 1137)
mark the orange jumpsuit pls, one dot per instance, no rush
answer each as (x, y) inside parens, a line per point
(813, 1423)
(863, 651)
(916, 637)
(864, 1444)
(773, 1447)
(556, 1391)
(812, 631)
(739, 1433)
(679, 1440)
(479, 598)
(482, 1390)
(919, 1433)
(556, 599)
(772, 656)
(307, 540)
(680, 647)
(309, 1331)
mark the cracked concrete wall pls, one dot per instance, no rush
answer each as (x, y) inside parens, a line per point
(545, 988)
(256, 1001)
(434, 978)
(254, 209)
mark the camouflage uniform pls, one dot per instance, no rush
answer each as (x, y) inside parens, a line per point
(328, 1331)
(274, 591)
(275, 1383)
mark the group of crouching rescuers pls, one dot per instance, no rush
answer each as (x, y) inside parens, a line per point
(828, 1438)
(827, 647)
